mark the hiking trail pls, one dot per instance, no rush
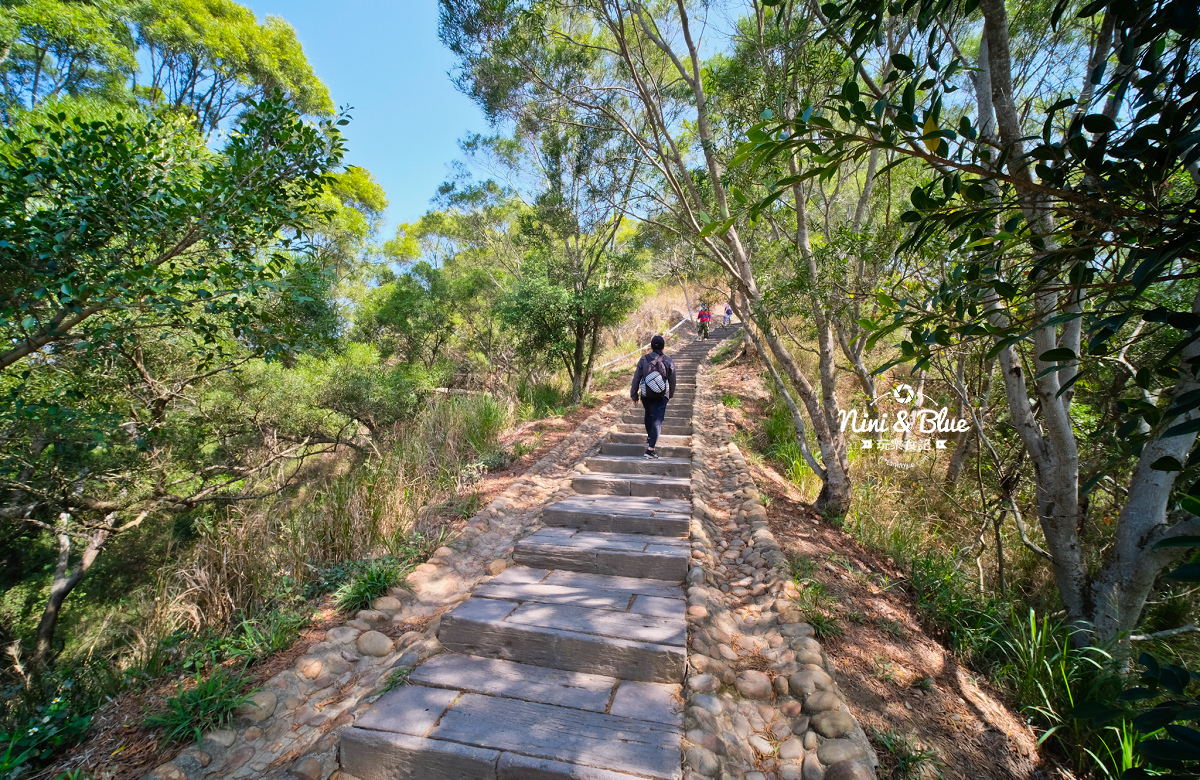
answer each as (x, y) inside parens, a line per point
(559, 641)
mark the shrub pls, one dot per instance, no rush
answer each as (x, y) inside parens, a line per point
(48, 729)
(208, 704)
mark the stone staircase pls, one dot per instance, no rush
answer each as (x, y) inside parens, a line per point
(569, 664)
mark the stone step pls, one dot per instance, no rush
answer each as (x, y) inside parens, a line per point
(639, 437)
(435, 733)
(668, 430)
(637, 464)
(639, 418)
(600, 552)
(673, 410)
(621, 514)
(601, 484)
(655, 702)
(664, 450)
(586, 589)
(632, 646)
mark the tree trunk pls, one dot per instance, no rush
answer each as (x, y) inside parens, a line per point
(62, 585)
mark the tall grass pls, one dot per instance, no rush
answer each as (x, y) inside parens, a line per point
(238, 563)
(237, 590)
(1025, 652)
(544, 397)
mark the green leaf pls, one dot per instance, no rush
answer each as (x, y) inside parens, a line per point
(1167, 463)
(1183, 429)
(1188, 572)
(1098, 123)
(1182, 541)
(903, 62)
(1062, 353)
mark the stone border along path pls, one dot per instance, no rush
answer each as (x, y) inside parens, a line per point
(761, 698)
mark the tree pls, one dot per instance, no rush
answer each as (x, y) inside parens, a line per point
(411, 317)
(639, 70)
(562, 242)
(113, 233)
(1072, 229)
(207, 59)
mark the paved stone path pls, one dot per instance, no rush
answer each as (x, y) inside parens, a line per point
(569, 664)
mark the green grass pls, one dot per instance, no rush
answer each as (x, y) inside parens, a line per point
(823, 625)
(206, 705)
(541, 399)
(903, 758)
(892, 627)
(884, 670)
(373, 581)
(398, 676)
(731, 400)
(252, 640)
(726, 351)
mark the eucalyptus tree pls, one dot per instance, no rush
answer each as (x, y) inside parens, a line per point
(1065, 193)
(640, 70)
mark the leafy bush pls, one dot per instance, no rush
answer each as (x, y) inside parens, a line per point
(50, 728)
(208, 704)
(1167, 706)
(370, 583)
(358, 385)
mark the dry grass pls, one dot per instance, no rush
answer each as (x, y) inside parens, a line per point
(259, 555)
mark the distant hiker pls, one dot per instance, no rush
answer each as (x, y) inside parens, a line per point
(705, 317)
(728, 314)
(654, 384)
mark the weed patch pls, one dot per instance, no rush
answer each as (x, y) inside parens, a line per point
(208, 703)
(373, 581)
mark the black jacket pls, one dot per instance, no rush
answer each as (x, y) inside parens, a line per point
(643, 368)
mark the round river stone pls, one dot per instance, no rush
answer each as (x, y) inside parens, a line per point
(753, 684)
(835, 750)
(374, 643)
(833, 723)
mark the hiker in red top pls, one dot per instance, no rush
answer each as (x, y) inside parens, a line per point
(705, 317)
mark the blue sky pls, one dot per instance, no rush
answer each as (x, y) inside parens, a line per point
(383, 58)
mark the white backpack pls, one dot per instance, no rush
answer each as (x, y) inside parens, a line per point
(654, 383)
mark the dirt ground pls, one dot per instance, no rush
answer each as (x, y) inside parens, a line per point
(897, 678)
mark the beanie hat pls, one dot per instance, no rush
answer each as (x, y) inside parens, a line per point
(657, 343)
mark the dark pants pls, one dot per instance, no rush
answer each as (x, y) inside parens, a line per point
(656, 410)
(703, 330)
